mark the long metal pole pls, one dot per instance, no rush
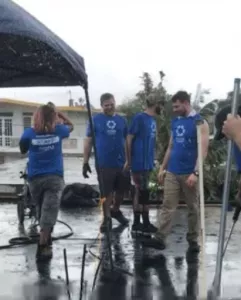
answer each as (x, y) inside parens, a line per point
(202, 279)
(225, 196)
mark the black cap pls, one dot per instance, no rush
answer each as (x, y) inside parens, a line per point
(220, 119)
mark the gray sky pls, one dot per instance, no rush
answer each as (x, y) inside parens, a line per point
(192, 41)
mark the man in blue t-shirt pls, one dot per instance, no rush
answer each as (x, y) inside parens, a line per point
(141, 143)
(110, 135)
(180, 167)
(43, 142)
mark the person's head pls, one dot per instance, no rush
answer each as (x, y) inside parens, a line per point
(154, 104)
(181, 103)
(107, 102)
(44, 119)
(51, 104)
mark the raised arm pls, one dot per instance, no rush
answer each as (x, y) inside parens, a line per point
(66, 121)
(24, 142)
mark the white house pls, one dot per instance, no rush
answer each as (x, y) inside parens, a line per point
(16, 115)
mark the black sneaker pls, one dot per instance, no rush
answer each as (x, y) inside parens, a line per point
(44, 252)
(155, 243)
(106, 224)
(119, 217)
(137, 229)
(149, 229)
(194, 247)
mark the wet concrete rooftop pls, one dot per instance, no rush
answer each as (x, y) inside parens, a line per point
(9, 172)
(147, 274)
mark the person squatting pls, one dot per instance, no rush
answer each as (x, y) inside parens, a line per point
(43, 143)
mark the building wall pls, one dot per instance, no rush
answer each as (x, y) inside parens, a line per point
(79, 119)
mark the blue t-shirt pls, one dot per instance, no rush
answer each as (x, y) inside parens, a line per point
(143, 128)
(110, 135)
(183, 156)
(45, 151)
(237, 157)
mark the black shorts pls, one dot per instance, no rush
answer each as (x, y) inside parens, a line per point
(114, 180)
(141, 179)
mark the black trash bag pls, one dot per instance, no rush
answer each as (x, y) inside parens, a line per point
(79, 195)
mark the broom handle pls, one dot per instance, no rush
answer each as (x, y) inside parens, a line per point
(203, 278)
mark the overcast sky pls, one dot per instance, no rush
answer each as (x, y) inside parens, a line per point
(192, 41)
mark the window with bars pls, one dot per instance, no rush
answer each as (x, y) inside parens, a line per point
(27, 121)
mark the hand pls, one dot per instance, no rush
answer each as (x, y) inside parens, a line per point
(232, 126)
(85, 170)
(161, 176)
(191, 180)
(126, 167)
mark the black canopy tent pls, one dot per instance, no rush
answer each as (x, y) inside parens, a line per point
(32, 56)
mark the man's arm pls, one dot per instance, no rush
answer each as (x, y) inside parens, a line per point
(133, 130)
(128, 146)
(88, 143)
(204, 141)
(66, 121)
(166, 157)
(87, 148)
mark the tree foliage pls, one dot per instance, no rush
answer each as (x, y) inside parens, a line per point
(214, 166)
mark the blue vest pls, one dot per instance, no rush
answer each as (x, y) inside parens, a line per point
(183, 156)
(237, 156)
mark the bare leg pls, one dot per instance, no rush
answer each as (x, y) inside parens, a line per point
(44, 236)
(117, 201)
(136, 206)
(107, 205)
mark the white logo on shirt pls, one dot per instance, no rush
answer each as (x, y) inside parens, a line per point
(180, 131)
(45, 144)
(111, 125)
(45, 141)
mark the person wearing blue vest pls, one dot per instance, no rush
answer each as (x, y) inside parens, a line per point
(179, 171)
(110, 131)
(43, 143)
(141, 145)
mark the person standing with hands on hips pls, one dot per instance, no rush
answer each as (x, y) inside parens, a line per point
(179, 171)
(110, 134)
(141, 143)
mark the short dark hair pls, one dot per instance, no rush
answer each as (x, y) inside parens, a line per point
(104, 97)
(50, 103)
(182, 96)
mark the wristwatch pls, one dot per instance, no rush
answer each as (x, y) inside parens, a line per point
(196, 173)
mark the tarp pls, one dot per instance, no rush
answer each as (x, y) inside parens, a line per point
(79, 195)
(32, 55)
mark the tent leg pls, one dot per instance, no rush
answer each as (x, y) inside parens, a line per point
(225, 197)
